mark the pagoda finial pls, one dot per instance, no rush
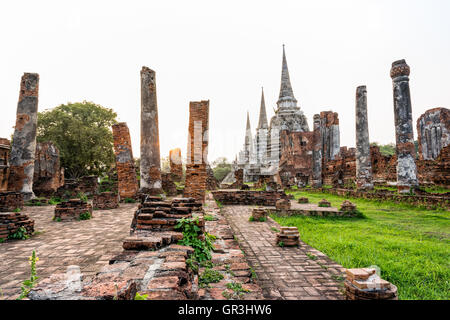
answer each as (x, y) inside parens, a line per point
(262, 124)
(286, 93)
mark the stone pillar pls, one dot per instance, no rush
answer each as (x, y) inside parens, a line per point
(317, 153)
(126, 172)
(150, 160)
(363, 161)
(176, 166)
(197, 155)
(406, 166)
(24, 140)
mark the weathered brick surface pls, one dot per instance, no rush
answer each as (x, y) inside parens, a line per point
(24, 141)
(248, 197)
(426, 200)
(5, 147)
(296, 162)
(197, 156)
(169, 187)
(433, 132)
(154, 215)
(10, 222)
(71, 210)
(105, 200)
(72, 187)
(283, 272)
(48, 174)
(176, 165)
(126, 171)
(365, 284)
(10, 200)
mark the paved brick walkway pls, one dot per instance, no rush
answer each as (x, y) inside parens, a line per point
(284, 273)
(88, 244)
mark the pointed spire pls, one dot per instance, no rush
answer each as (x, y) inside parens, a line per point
(262, 124)
(286, 93)
(248, 122)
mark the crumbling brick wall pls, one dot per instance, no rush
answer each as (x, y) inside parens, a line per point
(196, 174)
(296, 162)
(10, 222)
(126, 171)
(5, 147)
(176, 165)
(329, 126)
(341, 170)
(433, 130)
(48, 175)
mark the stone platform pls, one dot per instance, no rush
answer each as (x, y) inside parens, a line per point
(308, 209)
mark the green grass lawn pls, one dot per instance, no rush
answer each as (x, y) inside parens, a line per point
(409, 245)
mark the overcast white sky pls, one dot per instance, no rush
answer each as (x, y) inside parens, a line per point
(225, 51)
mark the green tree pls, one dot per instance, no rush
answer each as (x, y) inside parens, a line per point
(385, 149)
(221, 168)
(82, 133)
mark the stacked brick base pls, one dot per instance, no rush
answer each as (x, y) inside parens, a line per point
(71, 210)
(10, 222)
(105, 200)
(248, 197)
(9, 201)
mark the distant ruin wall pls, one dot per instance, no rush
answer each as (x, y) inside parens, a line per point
(48, 175)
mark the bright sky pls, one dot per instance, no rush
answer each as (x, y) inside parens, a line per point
(225, 51)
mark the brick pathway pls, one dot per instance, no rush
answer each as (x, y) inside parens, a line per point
(88, 244)
(284, 273)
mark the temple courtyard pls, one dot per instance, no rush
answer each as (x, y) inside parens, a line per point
(410, 253)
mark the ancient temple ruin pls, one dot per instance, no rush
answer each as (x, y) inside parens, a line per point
(126, 171)
(197, 150)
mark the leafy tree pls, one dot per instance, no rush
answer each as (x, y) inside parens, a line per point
(221, 168)
(385, 149)
(82, 133)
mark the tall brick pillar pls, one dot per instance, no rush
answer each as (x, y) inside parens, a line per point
(197, 155)
(329, 122)
(126, 173)
(363, 161)
(406, 166)
(24, 140)
(317, 153)
(150, 159)
(176, 166)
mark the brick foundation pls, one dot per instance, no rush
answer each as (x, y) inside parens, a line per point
(10, 222)
(105, 200)
(248, 197)
(71, 210)
(9, 201)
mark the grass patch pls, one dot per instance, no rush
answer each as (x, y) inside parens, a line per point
(409, 244)
(209, 276)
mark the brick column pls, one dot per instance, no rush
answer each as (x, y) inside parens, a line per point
(317, 153)
(126, 173)
(406, 166)
(176, 166)
(24, 141)
(150, 160)
(363, 161)
(197, 155)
